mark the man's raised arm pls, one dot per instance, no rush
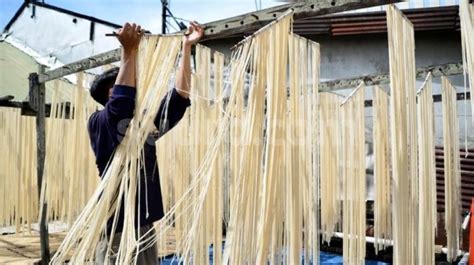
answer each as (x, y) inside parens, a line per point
(183, 76)
(129, 36)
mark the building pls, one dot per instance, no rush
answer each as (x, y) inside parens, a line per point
(42, 34)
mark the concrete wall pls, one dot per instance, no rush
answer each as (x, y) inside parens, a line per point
(356, 55)
(15, 66)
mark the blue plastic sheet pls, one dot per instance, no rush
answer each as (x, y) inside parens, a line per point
(325, 258)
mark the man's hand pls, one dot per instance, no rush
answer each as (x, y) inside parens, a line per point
(193, 34)
(183, 76)
(129, 36)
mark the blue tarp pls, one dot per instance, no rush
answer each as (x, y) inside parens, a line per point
(331, 258)
(324, 258)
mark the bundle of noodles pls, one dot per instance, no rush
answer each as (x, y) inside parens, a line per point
(120, 179)
(466, 14)
(382, 211)
(330, 179)
(18, 189)
(452, 170)
(427, 221)
(353, 172)
(260, 147)
(188, 143)
(69, 161)
(403, 136)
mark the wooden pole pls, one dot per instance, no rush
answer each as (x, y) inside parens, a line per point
(81, 65)
(37, 100)
(380, 79)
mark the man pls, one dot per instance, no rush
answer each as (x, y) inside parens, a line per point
(116, 89)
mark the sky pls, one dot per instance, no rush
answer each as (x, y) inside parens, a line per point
(146, 12)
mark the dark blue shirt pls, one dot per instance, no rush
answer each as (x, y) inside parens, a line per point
(107, 128)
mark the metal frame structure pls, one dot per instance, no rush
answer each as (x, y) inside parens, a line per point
(226, 27)
(37, 103)
(448, 69)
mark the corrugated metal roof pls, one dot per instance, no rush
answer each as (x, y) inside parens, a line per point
(423, 19)
(467, 178)
(466, 160)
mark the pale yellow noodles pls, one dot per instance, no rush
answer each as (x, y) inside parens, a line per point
(27, 192)
(18, 187)
(382, 211)
(466, 14)
(403, 136)
(248, 162)
(70, 173)
(427, 221)
(330, 181)
(121, 176)
(353, 174)
(65, 170)
(274, 192)
(452, 171)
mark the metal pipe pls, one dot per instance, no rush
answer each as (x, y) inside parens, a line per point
(164, 4)
(438, 248)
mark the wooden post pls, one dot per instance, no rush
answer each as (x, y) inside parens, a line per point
(37, 100)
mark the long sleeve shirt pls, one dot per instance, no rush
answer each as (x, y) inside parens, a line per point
(107, 127)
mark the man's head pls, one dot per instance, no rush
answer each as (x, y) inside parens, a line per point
(102, 85)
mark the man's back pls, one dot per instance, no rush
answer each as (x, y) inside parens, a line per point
(108, 126)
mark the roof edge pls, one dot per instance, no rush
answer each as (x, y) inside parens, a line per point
(58, 9)
(17, 14)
